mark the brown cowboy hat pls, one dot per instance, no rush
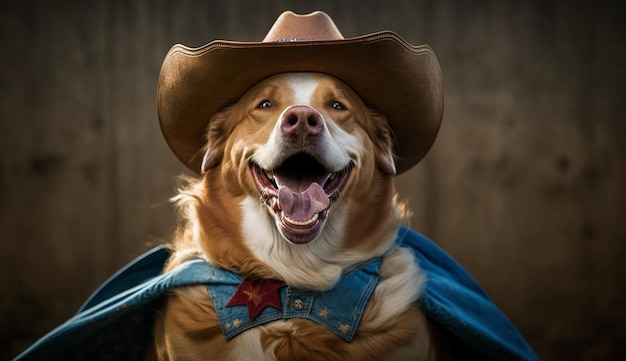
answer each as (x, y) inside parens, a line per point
(390, 75)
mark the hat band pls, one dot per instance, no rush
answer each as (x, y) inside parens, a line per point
(293, 40)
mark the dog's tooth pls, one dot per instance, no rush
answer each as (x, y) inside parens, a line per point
(298, 223)
(328, 178)
(269, 174)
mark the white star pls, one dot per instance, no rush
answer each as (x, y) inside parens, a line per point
(344, 328)
(324, 312)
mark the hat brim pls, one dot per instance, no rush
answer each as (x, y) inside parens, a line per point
(400, 80)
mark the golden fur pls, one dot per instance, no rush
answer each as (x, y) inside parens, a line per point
(224, 221)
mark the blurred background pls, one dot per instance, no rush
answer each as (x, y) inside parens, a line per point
(525, 185)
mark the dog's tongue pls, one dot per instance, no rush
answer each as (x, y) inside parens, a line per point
(301, 207)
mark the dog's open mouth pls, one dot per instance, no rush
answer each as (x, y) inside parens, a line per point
(299, 192)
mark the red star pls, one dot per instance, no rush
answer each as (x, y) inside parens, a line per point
(257, 295)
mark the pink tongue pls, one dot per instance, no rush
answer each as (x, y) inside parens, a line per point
(301, 207)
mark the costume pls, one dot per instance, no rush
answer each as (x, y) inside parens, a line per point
(116, 321)
(339, 309)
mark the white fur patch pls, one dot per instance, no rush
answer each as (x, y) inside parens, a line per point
(308, 265)
(315, 265)
(303, 86)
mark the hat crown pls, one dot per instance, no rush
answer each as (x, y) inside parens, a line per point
(293, 27)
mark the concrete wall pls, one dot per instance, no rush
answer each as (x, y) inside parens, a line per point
(525, 185)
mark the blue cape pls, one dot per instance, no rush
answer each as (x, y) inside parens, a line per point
(116, 321)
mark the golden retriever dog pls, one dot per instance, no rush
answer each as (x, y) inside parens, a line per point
(297, 188)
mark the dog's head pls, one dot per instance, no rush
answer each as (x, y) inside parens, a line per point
(305, 167)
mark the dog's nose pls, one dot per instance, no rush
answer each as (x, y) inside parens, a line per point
(302, 120)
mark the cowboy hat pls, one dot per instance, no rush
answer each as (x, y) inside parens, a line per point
(390, 75)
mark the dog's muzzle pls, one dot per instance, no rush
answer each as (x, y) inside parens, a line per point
(301, 189)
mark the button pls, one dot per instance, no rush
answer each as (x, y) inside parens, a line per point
(298, 304)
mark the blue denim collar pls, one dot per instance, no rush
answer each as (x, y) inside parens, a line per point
(339, 309)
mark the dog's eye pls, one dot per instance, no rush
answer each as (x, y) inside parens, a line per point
(337, 105)
(265, 104)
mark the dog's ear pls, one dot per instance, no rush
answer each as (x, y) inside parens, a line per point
(212, 157)
(216, 139)
(383, 140)
(386, 162)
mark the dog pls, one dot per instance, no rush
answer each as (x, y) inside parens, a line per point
(297, 186)
(292, 244)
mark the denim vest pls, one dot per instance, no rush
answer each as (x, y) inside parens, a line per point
(339, 309)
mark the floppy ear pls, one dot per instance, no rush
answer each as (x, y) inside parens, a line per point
(383, 141)
(216, 139)
(212, 157)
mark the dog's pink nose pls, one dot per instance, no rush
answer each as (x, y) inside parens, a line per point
(302, 120)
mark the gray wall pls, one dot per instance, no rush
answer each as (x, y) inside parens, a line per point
(525, 185)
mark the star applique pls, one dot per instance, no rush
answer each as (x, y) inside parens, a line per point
(344, 328)
(257, 295)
